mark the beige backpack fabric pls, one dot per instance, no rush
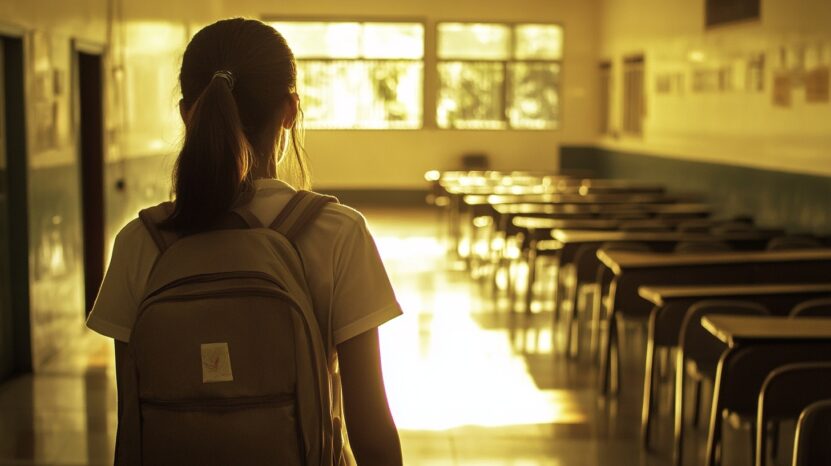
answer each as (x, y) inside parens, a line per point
(226, 364)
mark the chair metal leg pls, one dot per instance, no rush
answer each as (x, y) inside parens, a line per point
(696, 402)
(678, 450)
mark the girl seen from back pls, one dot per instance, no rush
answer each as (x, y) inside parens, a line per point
(241, 112)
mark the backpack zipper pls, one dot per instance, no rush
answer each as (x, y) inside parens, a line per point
(219, 404)
(212, 277)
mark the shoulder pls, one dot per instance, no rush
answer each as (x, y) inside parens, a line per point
(133, 231)
(339, 218)
(134, 239)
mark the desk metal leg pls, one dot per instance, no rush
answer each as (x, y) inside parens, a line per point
(608, 382)
(714, 432)
(648, 387)
(532, 275)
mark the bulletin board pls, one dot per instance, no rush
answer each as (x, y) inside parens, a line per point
(728, 11)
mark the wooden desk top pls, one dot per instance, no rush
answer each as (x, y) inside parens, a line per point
(744, 329)
(600, 236)
(659, 294)
(542, 223)
(620, 260)
(620, 198)
(684, 208)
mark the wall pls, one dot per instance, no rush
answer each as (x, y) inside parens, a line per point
(725, 122)
(796, 202)
(55, 239)
(399, 158)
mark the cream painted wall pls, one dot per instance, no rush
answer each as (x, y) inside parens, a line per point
(735, 127)
(56, 280)
(398, 159)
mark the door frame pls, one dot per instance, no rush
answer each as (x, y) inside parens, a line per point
(78, 47)
(19, 279)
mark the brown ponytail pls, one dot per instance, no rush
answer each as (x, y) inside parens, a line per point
(237, 76)
(213, 168)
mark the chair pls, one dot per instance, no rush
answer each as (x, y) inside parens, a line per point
(741, 374)
(785, 393)
(813, 429)
(695, 226)
(785, 243)
(644, 225)
(813, 308)
(732, 227)
(692, 247)
(699, 354)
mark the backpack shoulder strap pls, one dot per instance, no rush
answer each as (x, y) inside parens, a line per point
(300, 211)
(151, 218)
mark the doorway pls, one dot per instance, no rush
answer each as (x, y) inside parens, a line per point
(15, 339)
(91, 132)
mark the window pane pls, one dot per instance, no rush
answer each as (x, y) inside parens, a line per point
(321, 40)
(474, 41)
(361, 94)
(539, 41)
(471, 95)
(533, 95)
(393, 40)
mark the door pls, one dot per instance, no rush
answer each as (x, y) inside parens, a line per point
(91, 133)
(15, 340)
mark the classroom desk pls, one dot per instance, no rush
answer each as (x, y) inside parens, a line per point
(635, 269)
(670, 306)
(580, 246)
(780, 340)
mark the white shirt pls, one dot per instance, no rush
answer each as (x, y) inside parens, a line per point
(343, 269)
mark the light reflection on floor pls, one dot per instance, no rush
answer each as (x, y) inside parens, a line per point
(441, 368)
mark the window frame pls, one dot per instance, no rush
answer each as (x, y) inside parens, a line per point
(268, 19)
(512, 27)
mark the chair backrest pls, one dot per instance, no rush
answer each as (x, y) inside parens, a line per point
(813, 308)
(791, 388)
(699, 345)
(688, 247)
(645, 225)
(732, 227)
(813, 429)
(747, 367)
(695, 226)
(783, 243)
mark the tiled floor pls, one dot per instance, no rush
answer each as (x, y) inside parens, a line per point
(461, 389)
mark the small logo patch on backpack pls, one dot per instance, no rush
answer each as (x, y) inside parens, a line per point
(216, 363)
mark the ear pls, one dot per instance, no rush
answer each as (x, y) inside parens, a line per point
(292, 107)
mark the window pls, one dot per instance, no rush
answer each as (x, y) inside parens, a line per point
(605, 95)
(634, 106)
(358, 75)
(496, 76)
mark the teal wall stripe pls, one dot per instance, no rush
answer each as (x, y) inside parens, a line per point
(795, 201)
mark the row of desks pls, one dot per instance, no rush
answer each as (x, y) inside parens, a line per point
(575, 218)
(661, 287)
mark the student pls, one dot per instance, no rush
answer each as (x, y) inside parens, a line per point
(240, 110)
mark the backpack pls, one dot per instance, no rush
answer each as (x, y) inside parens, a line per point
(226, 363)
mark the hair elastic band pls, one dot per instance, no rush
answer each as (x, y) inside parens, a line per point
(227, 76)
